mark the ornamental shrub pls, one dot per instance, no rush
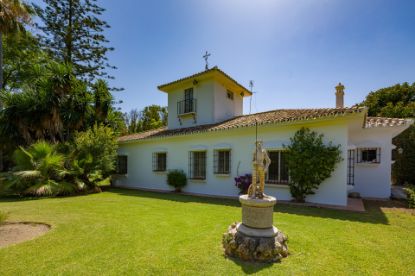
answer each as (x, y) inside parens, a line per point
(177, 179)
(93, 156)
(243, 182)
(410, 195)
(39, 171)
(310, 162)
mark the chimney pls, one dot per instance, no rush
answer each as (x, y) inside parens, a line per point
(340, 95)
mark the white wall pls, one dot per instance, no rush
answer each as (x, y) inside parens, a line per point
(224, 107)
(212, 105)
(140, 174)
(373, 180)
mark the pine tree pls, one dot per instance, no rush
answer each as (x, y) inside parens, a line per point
(73, 32)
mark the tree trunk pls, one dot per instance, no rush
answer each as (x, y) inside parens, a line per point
(1, 63)
(1, 87)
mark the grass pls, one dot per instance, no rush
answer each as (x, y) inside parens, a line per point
(131, 232)
(3, 217)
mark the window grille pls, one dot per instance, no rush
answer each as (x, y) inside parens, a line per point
(368, 155)
(350, 167)
(222, 161)
(278, 172)
(197, 164)
(122, 165)
(159, 161)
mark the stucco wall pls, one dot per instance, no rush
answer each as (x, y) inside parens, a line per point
(241, 141)
(226, 108)
(212, 105)
(373, 180)
(203, 93)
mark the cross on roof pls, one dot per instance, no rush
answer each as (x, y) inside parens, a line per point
(206, 56)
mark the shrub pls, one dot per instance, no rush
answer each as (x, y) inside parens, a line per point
(243, 182)
(3, 217)
(39, 170)
(93, 156)
(177, 179)
(310, 162)
(410, 195)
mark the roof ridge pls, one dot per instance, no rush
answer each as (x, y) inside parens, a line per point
(303, 109)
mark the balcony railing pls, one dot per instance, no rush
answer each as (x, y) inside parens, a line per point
(186, 106)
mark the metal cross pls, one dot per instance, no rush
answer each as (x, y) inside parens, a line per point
(206, 56)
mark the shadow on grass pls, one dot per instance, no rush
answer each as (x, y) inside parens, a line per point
(250, 268)
(374, 213)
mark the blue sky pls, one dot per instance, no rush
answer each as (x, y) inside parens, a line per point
(295, 51)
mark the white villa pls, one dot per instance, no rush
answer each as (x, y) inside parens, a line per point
(210, 139)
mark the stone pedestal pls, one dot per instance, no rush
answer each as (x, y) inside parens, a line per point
(256, 238)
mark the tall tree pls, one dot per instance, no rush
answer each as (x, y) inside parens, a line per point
(397, 101)
(73, 32)
(23, 60)
(14, 14)
(151, 117)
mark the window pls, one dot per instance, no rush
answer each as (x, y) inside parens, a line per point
(159, 161)
(222, 161)
(229, 94)
(350, 167)
(188, 100)
(197, 164)
(278, 169)
(121, 167)
(368, 155)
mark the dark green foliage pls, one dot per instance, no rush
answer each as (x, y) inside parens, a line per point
(59, 169)
(51, 108)
(39, 170)
(151, 117)
(23, 59)
(403, 170)
(94, 154)
(397, 101)
(177, 179)
(74, 33)
(310, 162)
(410, 194)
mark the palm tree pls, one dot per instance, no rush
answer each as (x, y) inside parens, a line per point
(13, 15)
(39, 171)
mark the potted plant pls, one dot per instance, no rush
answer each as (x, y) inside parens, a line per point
(177, 179)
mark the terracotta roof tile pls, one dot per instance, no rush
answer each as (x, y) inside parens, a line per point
(269, 117)
(215, 68)
(385, 122)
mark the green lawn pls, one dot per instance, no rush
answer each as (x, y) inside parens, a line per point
(126, 232)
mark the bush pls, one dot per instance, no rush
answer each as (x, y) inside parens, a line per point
(3, 217)
(310, 162)
(410, 195)
(243, 182)
(93, 156)
(39, 170)
(177, 179)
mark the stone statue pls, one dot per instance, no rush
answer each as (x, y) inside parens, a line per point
(260, 164)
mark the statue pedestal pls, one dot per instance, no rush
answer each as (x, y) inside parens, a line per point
(256, 238)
